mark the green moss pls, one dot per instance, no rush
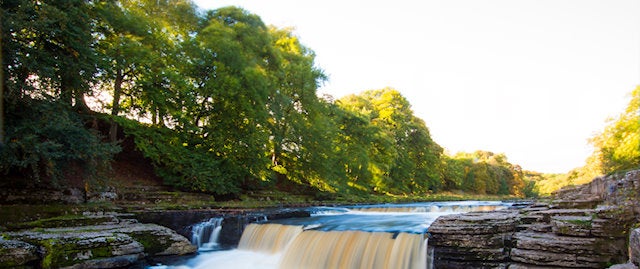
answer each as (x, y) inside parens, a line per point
(152, 244)
(66, 252)
(586, 223)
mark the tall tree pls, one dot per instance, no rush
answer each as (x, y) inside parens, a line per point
(295, 124)
(123, 46)
(48, 49)
(411, 162)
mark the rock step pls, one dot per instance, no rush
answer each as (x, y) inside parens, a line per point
(572, 225)
(66, 221)
(476, 223)
(531, 219)
(544, 249)
(135, 198)
(545, 215)
(536, 227)
(515, 265)
(576, 203)
(554, 260)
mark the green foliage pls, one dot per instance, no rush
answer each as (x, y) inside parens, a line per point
(47, 49)
(484, 172)
(530, 189)
(618, 146)
(187, 166)
(218, 101)
(45, 138)
(403, 157)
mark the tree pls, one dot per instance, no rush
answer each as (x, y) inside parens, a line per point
(123, 46)
(405, 158)
(48, 49)
(1, 83)
(298, 131)
(618, 146)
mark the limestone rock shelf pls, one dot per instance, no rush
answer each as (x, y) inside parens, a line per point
(587, 226)
(111, 245)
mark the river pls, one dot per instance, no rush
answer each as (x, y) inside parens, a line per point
(372, 236)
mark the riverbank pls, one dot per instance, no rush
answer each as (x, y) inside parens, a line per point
(98, 233)
(24, 206)
(89, 225)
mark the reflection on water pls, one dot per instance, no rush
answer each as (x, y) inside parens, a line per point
(371, 236)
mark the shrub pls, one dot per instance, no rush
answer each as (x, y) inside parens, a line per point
(45, 138)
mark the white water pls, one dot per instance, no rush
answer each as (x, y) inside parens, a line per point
(376, 236)
(205, 234)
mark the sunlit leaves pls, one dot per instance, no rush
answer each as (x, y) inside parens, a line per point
(618, 146)
(402, 156)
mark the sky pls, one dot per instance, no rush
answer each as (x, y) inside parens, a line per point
(533, 79)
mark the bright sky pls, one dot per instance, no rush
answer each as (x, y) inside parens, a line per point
(533, 79)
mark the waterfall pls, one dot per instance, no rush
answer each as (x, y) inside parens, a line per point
(269, 238)
(356, 250)
(336, 249)
(205, 234)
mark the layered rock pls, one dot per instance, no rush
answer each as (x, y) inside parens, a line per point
(473, 240)
(586, 226)
(96, 246)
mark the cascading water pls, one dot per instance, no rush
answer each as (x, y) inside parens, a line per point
(205, 234)
(380, 236)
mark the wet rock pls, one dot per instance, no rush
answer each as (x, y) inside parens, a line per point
(233, 224)
(16, 253)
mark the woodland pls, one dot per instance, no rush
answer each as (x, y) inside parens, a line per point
(220, 103)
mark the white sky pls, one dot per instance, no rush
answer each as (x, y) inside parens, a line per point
(533, 79)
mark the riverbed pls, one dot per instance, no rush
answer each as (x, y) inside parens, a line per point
(371, 236)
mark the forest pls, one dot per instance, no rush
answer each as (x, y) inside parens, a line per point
(221, 103)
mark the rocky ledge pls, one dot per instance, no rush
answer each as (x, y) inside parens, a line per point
(588, 226)
(113, 244)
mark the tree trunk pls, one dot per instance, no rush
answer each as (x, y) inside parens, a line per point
(115, 107)
(1, 90)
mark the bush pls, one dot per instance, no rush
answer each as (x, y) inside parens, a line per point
(45, 138)
(183, 162)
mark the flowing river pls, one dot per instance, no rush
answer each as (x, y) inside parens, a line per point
(373, 236)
